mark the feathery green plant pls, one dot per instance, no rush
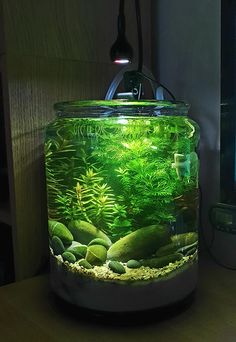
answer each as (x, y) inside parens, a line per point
(97, 203)
(118, 177)
(140, 166)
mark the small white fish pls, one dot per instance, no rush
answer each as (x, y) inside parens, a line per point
(182, 165)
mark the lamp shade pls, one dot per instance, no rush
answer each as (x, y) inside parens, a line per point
(121, 51)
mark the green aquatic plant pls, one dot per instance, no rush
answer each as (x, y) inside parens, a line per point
(61, 165)
(65, 159)
(71, 197)
(139, 158)
(120, 174)
(66, 206)
(97, 204)
(95, 199)
(87, 198)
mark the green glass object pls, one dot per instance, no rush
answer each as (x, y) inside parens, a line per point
(123, 176)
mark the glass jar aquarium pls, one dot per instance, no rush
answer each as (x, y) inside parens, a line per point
(122, 185)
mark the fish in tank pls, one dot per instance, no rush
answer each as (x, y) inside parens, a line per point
(122, 186)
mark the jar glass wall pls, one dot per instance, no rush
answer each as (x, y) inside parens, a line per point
(122, 184)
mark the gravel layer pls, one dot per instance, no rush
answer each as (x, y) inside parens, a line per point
(140, 274)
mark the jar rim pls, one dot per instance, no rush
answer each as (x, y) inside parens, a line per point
(160, 107)
(73, 105)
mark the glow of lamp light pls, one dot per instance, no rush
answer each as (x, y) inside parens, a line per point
(121, 61)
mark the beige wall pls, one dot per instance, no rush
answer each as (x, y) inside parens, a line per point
(52, 50)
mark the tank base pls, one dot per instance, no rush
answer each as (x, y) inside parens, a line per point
(111, 297)
(131, 318)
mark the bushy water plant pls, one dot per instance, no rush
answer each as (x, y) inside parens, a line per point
(118, 177)
(139, 159)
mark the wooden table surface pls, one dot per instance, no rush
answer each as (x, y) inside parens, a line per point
(29, 312)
